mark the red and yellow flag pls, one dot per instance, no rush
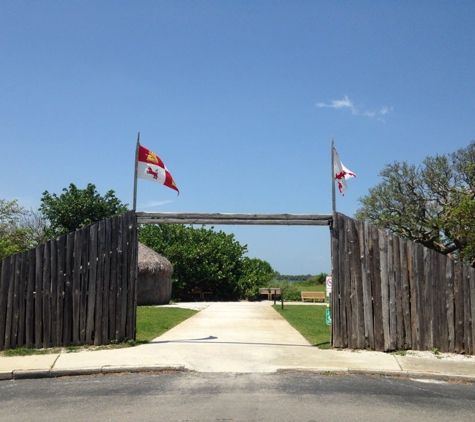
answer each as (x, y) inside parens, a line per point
(152, 168)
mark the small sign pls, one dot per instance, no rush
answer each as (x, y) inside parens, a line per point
(328, 315)
(328, 298)
(328, 283)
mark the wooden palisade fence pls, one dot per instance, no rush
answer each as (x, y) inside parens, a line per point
(77, 289)
(392, 294)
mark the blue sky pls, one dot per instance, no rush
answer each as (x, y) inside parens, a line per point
(239, 98)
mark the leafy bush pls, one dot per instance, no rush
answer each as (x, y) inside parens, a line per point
(208, 260)
(20, 229)
(77, 208)
(255, 273)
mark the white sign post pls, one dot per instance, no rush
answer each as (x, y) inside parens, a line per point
(328, 284)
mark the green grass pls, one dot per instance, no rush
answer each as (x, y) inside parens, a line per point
(153, 322)
(309, 321)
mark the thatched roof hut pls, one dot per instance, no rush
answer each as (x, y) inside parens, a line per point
(154, 279)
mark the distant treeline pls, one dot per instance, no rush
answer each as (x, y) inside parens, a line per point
(308, 278)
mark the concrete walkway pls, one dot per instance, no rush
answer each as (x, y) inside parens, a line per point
(235, 337)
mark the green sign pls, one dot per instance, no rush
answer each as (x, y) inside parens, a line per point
(328, 315)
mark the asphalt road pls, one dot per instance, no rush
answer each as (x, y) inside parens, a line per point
(235, 397)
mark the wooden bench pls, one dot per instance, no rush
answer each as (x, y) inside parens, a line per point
(200, 292)
(313, 295)
(270, 292)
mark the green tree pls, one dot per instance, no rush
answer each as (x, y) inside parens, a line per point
(20, 229)
(432, 204)
(255, 273)
(76, 208)
(201, 258)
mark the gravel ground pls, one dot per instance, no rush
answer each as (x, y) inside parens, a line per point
(439, 355)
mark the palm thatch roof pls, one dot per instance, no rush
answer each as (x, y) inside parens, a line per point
(150, 262)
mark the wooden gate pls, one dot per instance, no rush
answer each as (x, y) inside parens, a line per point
(77, 289)
(393, 294)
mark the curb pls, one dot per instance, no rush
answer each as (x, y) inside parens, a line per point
(415, 375)
(385, 373)
(104, 370)
(22, 374)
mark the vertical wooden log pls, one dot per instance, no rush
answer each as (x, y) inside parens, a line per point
(132, 277)
(458, 307)
(4, 269)
(16, 300)
(114, 278)
(392, 293)
(120, 263)
(22, 298)
(136, 274)
(442, 324)
(405, 294)
(98, 321)
(467, 323)
(419, 286)
(106, 275)
(46, 295)
(55, 341)
(9, 266)
(92, 288)
(76, 327)
(84, 284)
(345, 283)
(399, 292)
(411, 250)
(39, 297)
(61, 251)
(68, 337)
(450, 307)
(471, 271)
(383, 250)
(377, 293)
(122, 303)
(338, 291)
(353, 303)
(30, 301)
(366, 250)
(356, 280)
(336, 294)
(428, 292)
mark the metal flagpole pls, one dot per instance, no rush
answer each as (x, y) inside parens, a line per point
(135, 172)
(333, 178)
(328, 315)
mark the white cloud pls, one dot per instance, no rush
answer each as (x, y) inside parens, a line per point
(345, 102)
(151, 204)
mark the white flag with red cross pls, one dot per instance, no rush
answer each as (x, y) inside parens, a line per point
(340, 172)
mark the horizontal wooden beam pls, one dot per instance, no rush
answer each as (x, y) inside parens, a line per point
(235, 219)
